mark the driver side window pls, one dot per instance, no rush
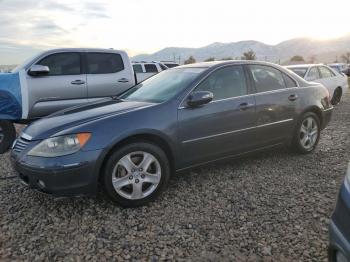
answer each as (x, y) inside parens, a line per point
(225, 83)
(62, 64)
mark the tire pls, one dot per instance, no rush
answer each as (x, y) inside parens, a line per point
(125, 168)
(336, 96)
(7, 135)
(305, 132)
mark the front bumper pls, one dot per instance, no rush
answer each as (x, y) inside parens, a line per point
(72, 175)
(339, 229)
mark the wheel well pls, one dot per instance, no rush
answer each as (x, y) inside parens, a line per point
(341, 89)
(150, 138)
(317, 111)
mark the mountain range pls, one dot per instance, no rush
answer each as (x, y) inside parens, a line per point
(311, 49)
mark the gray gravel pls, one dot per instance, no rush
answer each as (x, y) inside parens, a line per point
(273, 206)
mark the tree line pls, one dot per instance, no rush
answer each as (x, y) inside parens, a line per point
(251, 55)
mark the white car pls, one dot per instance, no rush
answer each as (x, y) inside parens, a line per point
(336, 83)
(144, 70)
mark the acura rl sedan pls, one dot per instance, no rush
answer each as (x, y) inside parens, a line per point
(182, 117)
(339, 230)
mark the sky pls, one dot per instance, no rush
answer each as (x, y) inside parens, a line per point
(141, 26)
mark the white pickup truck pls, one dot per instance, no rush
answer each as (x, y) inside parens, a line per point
(144, 70)
(57, 79)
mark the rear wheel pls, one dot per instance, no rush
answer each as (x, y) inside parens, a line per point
(307, 133)
(7, 135)
(336, 96)
(136, 174)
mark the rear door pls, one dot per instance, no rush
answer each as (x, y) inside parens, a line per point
(276, 104)
(62, 87)
(107, 74)
(224, 126)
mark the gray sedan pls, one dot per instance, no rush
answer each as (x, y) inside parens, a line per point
(182, 117)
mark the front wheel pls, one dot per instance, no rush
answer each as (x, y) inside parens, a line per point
(307, 133)
(136, 174)
(7, 135)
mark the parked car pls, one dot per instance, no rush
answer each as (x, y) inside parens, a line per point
(336, 83)
(144, 70)
(339, 229)
(341, 68)
(180, 118)
(58, 79)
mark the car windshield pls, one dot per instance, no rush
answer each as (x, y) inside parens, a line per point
(300, 71)
(162, 86)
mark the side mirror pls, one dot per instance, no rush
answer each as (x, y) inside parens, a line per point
(38, 70)
(199, 98)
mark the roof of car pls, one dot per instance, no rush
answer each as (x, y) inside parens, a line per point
(336, 64)
(110, 50)
(303, 65)
(227, 62)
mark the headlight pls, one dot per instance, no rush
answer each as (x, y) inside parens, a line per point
(60, 145)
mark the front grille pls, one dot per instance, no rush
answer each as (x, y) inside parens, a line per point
(20, 145)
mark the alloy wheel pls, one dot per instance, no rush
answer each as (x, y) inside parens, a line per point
(308, 133)
(136, 175)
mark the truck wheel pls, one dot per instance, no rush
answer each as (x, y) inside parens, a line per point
(7, 135)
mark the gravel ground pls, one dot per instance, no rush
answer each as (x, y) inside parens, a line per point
(273, 206)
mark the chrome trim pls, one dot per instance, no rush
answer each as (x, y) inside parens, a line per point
(277, 91)
(328, 109)
(224, 99)
(236, 131)
(26, 137)
(72, 165)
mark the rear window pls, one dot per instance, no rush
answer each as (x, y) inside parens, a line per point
(104, 63)
(300, 71)
(151, 68)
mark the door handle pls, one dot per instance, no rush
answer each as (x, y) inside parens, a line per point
(77, 82)
(123, 80)
(245, 106)
(292, 97)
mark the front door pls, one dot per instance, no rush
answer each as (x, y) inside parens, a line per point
(64, 86)
(223, 127)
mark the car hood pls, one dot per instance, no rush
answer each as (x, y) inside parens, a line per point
(75, 116)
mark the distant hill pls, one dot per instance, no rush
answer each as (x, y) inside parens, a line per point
(318, 50)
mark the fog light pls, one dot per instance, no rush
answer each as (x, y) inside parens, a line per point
(41, 184)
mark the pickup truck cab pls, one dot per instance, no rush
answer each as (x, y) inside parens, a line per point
(58, 79)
